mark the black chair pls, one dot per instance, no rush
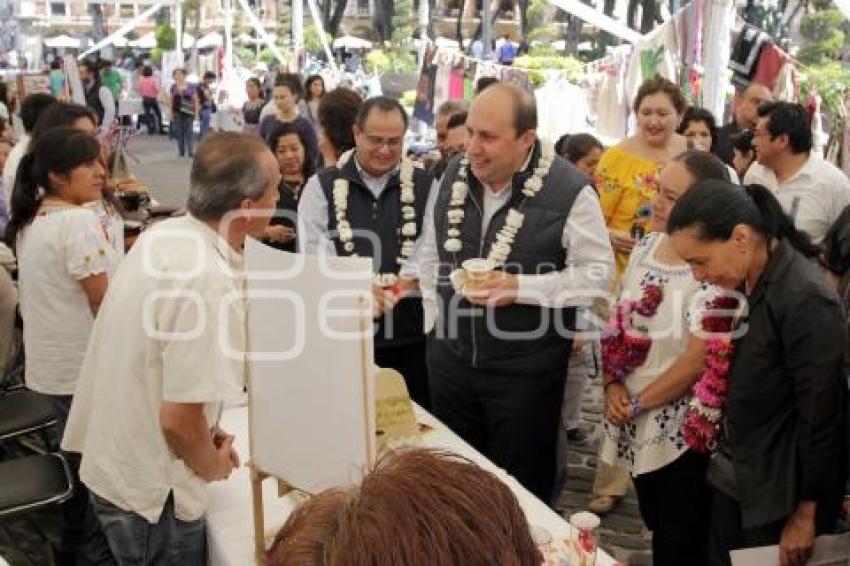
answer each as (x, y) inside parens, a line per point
(33, 482)
(23, 412)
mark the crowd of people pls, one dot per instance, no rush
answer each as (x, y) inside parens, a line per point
(713, 253)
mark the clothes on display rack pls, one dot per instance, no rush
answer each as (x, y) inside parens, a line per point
(745, 54)
(552, 121)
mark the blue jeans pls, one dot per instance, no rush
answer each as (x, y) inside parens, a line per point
(168, 542)
(81, 535)
(182, 124)
(205, 119)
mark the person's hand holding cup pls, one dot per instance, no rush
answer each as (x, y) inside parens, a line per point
(484, 285)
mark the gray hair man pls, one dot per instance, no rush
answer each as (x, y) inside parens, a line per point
(157, 369)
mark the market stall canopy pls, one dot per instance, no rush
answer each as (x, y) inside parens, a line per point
(62, 41)
(446, 43)
(251, 40)
(212, 39)
(148, 41)
(351, 42)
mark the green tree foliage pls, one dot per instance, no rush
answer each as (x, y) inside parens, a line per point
(824, 38)
(166, 37)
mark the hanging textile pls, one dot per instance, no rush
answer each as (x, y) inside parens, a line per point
(442, 77)
(719, 17)
(745, 54)
(456, 79)
(552, 121)
(423, 109)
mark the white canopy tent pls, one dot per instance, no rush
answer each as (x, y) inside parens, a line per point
(62, 42)
(351, 42)
(212, 39)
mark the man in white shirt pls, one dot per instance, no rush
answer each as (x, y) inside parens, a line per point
(812, 191)
(31, 109)
(498, 354)
(156, 373)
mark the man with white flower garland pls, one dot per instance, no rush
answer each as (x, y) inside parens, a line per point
(371, 204)
(497, 359)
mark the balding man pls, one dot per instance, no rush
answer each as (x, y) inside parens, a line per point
(156, 373)
(746, 112)
(501, 344)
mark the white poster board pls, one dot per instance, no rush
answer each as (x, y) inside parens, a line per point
(311, 375)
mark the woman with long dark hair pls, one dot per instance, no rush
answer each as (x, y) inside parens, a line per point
(288, 143)
(253, 107)
(184, 108)
(314, 90)
(64, 263)
(778, 471)
(108, 208)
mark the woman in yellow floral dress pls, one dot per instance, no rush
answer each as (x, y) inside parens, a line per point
(627, 174)
(627, 178)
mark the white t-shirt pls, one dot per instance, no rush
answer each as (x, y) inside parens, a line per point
(59, 248)
(158, 337)
(654, 439)
(813, 197)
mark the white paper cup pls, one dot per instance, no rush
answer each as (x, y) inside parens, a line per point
(477, 268)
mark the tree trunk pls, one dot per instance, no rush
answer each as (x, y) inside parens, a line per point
(523, 20)
(98, 31)
(459, 23)
(336, 16)
(432, 16)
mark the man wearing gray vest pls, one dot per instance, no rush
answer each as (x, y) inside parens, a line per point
(498, 355)
(371, 204)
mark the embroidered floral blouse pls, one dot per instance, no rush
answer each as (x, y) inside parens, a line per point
(654, 439)
(626, 182)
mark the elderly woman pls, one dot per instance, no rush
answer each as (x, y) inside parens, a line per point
(779, 470)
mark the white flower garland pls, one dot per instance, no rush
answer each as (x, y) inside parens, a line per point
(408, 231)
(500, 250)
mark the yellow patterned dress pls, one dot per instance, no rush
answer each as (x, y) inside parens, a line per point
(626, 182)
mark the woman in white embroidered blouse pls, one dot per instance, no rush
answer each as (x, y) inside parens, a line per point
(63, 257)
(644, 412)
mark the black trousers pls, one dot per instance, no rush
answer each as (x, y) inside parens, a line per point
(511, 419)
(728, 532)
(409, 361)
(675, 504)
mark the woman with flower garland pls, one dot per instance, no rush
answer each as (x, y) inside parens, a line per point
(777, 416)
(650, 361)
(627, 178)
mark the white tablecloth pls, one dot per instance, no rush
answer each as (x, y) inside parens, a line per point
(230, 516)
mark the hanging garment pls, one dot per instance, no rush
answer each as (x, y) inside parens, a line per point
(745, 54)
(456, 79)
(442, 78)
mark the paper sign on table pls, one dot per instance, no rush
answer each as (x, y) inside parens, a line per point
(832, 550)
(310, 366)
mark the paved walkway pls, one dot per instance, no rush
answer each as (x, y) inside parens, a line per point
(622, 534)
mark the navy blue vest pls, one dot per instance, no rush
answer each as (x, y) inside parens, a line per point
(379, 224)
(518, 338)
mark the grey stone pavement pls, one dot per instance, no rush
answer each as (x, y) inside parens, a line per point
(622, 533)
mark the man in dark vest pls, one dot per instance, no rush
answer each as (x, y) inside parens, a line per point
(497, 359)
(371, 204)
(98, 97)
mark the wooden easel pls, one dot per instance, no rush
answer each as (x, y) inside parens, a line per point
(258, 475)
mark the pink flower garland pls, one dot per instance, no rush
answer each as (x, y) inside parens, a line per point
(709, 393)
(625, 347)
